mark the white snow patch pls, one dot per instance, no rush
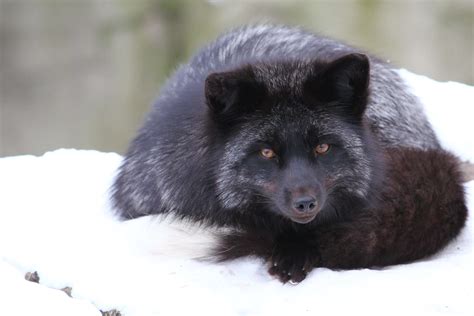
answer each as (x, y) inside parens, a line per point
(56, 219)
(450, 110)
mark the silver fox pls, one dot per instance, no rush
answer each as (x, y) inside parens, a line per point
(275, 134)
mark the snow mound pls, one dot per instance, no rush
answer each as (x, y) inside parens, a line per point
(57, 220)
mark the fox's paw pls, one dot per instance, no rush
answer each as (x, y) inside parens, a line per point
(288, 273)
(291, 263)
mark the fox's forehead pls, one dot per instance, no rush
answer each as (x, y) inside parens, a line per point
(290, 127)
(281, 77)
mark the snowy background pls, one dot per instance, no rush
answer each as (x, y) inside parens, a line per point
(56, 220)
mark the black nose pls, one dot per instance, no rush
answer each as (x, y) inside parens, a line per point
(304, 204)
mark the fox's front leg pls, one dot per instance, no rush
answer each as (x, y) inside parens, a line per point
(291, 254)
(292, 257)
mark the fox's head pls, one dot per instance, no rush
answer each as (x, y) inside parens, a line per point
(295, 139)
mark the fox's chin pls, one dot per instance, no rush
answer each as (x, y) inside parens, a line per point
(303, 219)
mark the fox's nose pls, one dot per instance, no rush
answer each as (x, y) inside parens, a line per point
(304, 204)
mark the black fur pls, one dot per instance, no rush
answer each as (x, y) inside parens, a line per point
(199, 155)
(421, 208)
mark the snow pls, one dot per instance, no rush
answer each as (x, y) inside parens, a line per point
(56, 219)
(450, 109)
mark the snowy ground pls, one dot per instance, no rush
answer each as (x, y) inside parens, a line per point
(55, 219)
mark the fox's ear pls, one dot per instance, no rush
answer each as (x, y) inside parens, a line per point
(343, 83)
(233, 93)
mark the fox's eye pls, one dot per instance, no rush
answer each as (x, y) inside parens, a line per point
(322, 149)
(267, 153)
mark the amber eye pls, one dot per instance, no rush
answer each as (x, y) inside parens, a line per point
(267, 153)
(322, 149)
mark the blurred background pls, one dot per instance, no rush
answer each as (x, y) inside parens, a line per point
(83, 73)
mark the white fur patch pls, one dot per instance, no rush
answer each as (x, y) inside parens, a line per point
(168, 236)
